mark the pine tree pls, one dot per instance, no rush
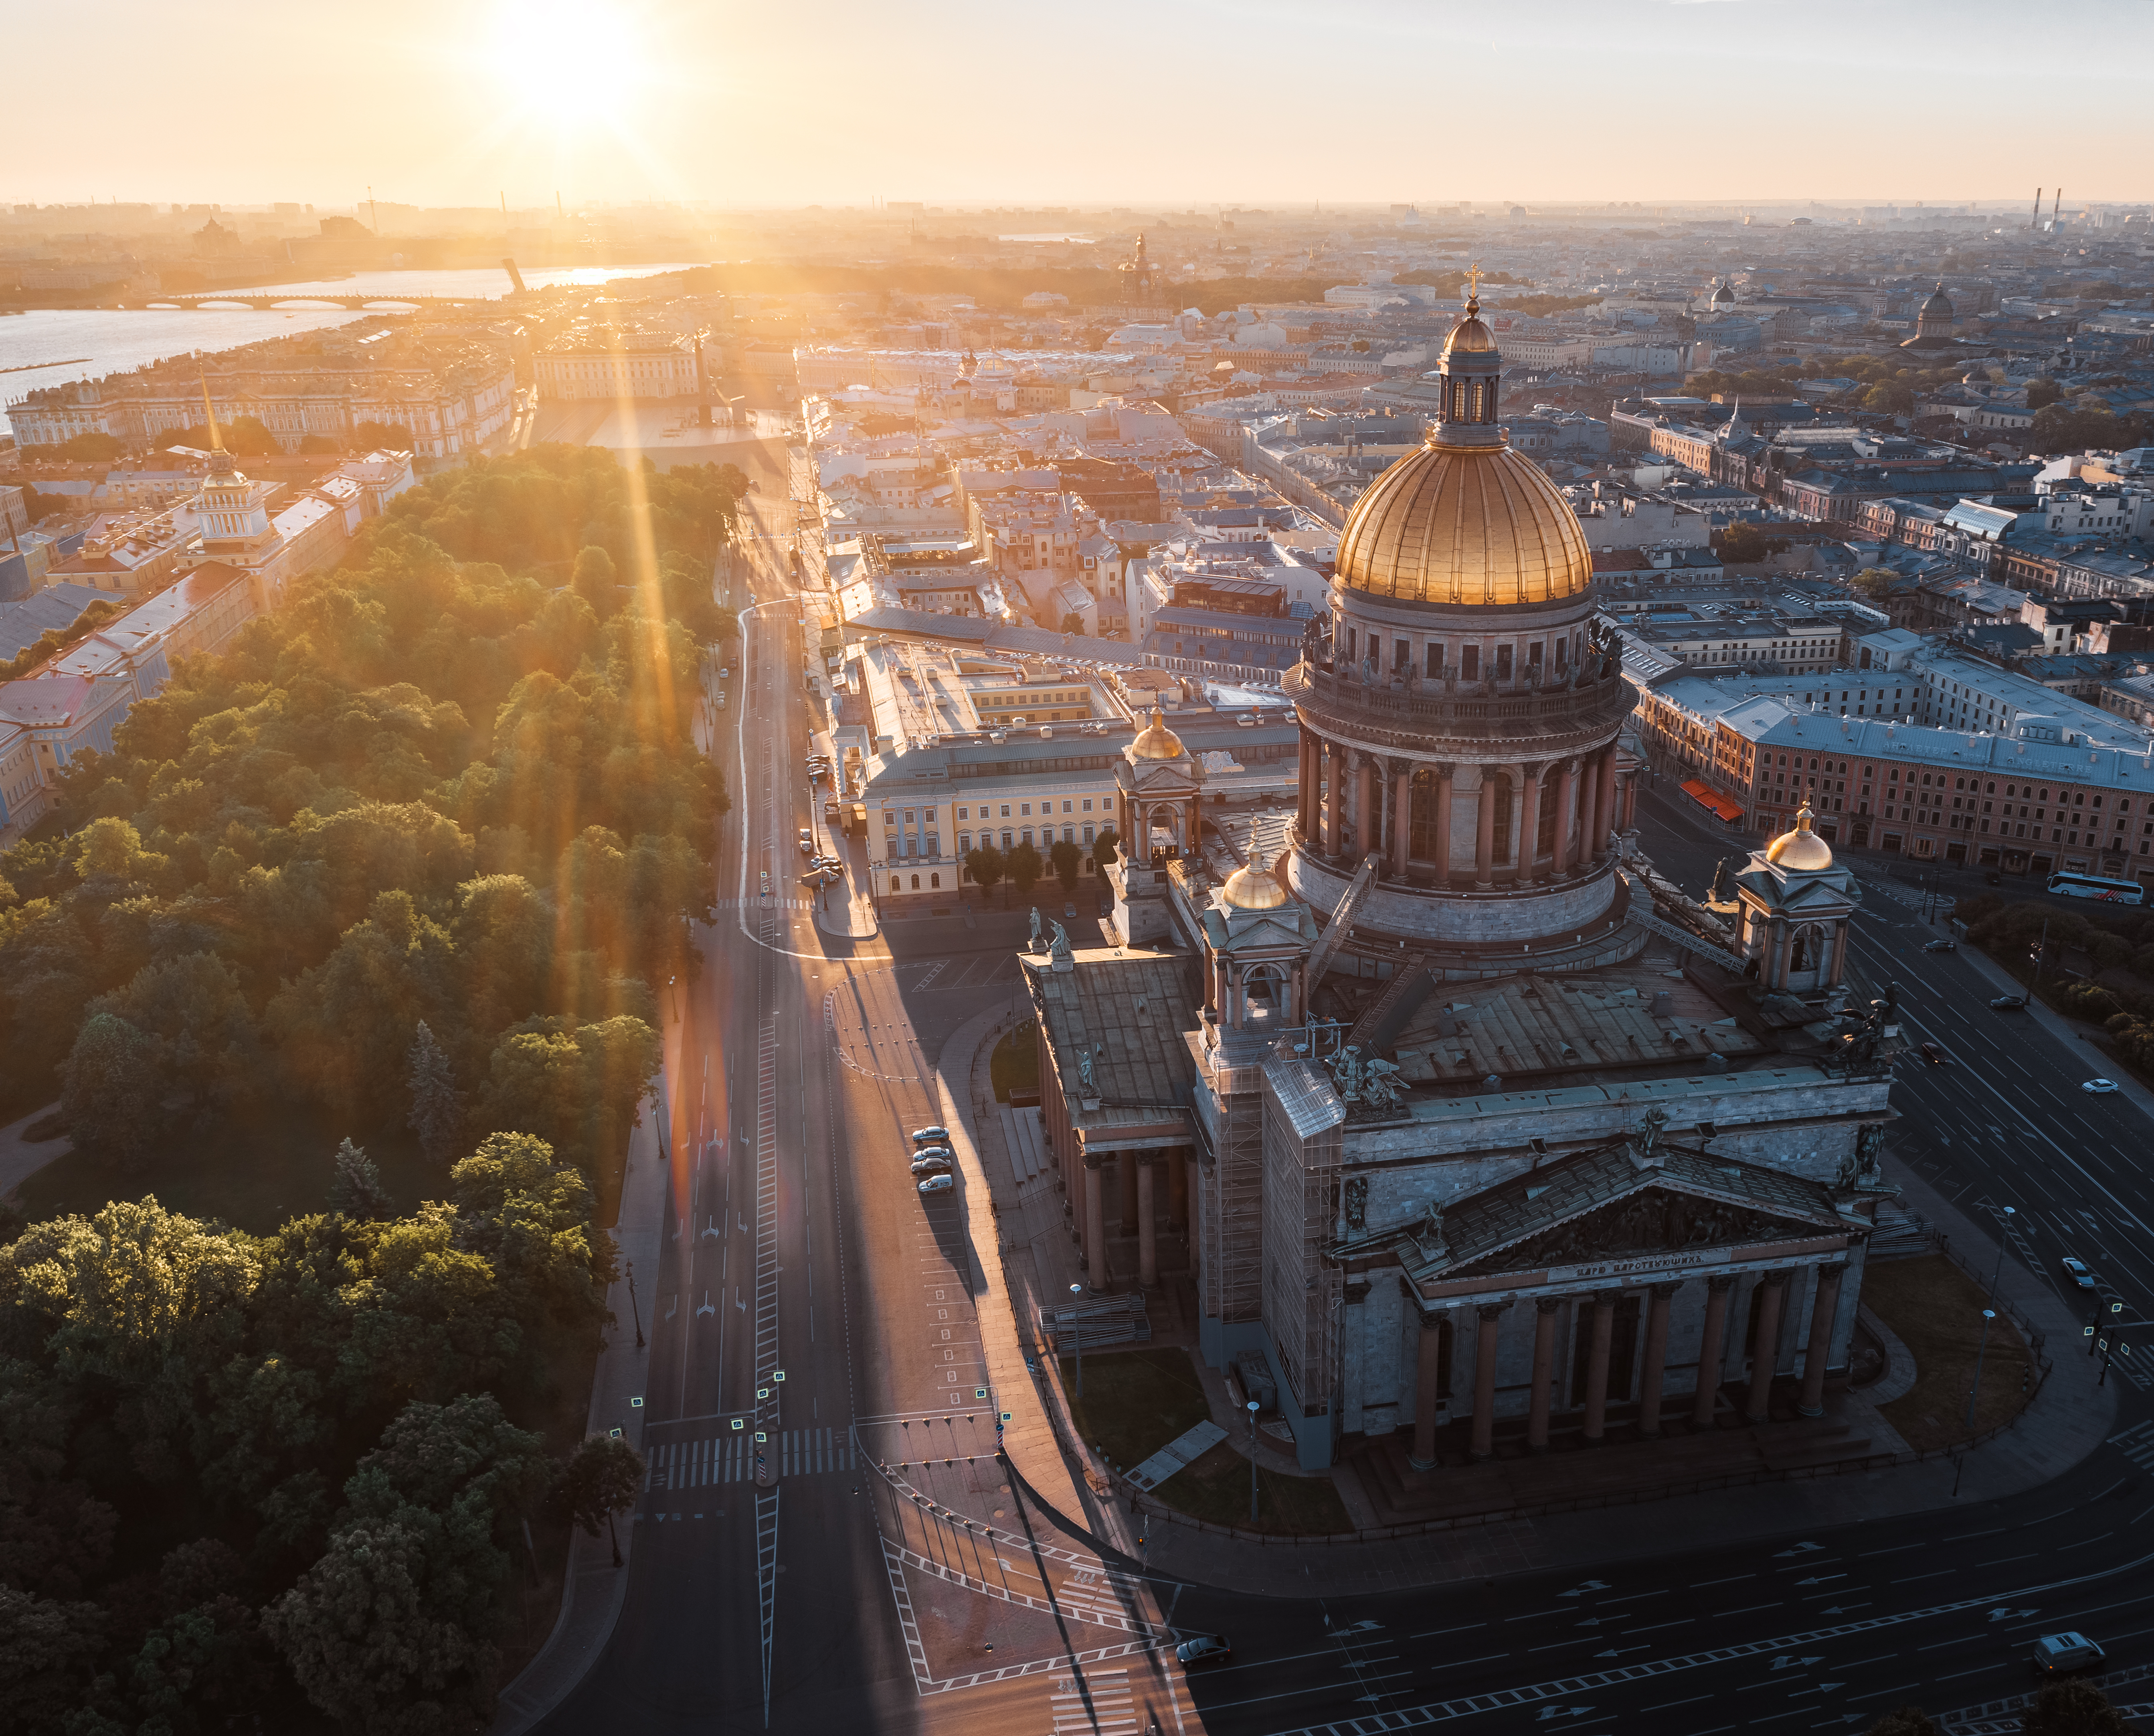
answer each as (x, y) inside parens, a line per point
(357, 1191)
(437, 1110)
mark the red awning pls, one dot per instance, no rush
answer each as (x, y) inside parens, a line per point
(1703, 793)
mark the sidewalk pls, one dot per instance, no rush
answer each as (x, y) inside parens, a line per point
(594, 1590)
(847, 910)
(21, 1158)
(2067, 1420)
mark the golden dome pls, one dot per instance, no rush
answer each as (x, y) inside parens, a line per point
(1800, 851)
(1469, 337)
(1253, 888)
(1155, 741)
(1464, 524)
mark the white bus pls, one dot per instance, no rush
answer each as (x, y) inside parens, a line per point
(2093, 886)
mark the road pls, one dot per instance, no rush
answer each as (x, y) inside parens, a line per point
(889, 1581)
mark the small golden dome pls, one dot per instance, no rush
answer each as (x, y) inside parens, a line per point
(1467, 525)
(1155, 741)
(1470, 337)
(1800, 851)
(1253, 888)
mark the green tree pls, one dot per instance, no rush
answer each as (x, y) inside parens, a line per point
(356, 1189)
(530, 1216)
(93, 448)
(985, 865)
(601, 1479)
(1023, 865)
(2073, 1708)
(1072, 624)
(575, 1085)
(1741, 544)
(109, 1089)
(1890, 396)
(1067, 859)
(1875, 583)
(1904, 1721)
(48, 1656)
(437, 1108)
(1106, 847)
(2042, 392)
(596, 581)
(194, 1013)
(382, 437)
(318, 443)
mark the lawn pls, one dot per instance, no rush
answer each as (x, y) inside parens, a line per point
(1014, 1064)
(260, 1166)
(1936, 1310)
(1135, 1402)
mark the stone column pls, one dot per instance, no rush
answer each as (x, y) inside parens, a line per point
(1368, 822)
(1596, 1369)
(1767, 1349)
(1566, 799)
(1095, 1227)
(1528, 869)
(1444, 775)
(1304, 817)
(1713, 1352)
(1428, 1370)
(1537, 1417)
(1126, 1172)
(1484, 1379)
(1591, 833)
(1614, 821)
(1822, 1312)
(1334, 794)
(1656, 1360)
(1401, 771)
(1838, 973)
(1177, 1190)
(1484, 830)
(1147, 1230)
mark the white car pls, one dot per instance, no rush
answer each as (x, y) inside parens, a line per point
(2099, 1087)
(938, 1184)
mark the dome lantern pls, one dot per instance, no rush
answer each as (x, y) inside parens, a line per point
(1155, 741)
(1800, 851)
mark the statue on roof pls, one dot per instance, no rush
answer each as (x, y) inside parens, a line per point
(1032, 944)
(1721, 892)
(1084, 1070)
(1058, 948)
(1380, 1082)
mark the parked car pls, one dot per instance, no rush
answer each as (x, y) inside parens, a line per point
(807, 842)
(930, 1163)
(2077, 1269)
(1941, 945)
(936, 1135)
(942, 1154)
(2099, 1087)
(1206, 1648)
(1936, 1056)
(2010, 1004)
(939, 1184)
(2066, 1654)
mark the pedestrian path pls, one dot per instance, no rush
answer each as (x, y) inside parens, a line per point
(1184, 1449)
(730, 1457)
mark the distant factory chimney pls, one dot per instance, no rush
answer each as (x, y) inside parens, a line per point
(2057, 210)
(2037, 223)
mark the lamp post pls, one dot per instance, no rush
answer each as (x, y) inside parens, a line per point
(1252, 1461)
(1997, 1270)
(634, 1312)
(1973, 1391)
(1077, 1336)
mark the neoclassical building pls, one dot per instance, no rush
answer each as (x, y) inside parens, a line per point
(1484, 1138)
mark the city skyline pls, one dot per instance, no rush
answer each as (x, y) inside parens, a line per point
(645, 100)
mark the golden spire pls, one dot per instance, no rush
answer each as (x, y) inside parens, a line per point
(1473, 288)
(216, 441)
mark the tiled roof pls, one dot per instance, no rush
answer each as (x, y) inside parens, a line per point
(1127, 1008)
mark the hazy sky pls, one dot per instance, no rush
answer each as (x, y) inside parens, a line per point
(1006, 100)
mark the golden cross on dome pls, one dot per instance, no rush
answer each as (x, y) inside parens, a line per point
(1473, 277)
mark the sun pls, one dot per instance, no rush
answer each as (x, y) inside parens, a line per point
(565, 66)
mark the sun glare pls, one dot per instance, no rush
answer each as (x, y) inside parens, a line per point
(566, 65)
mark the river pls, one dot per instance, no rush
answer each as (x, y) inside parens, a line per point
(52, 346)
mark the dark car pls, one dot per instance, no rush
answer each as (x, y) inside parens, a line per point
(930, 1163)
(1941, 945)
(2066, 1654)
(1935, 1056)
(2010, 1004)
(2077, 1269)
(1207, 1648)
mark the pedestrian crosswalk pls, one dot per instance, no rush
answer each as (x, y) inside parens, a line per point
(2137, 1443)
(1103, 1706)
(730, 1457)
(765, 903)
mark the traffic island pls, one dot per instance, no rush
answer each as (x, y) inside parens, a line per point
(1935, 1309)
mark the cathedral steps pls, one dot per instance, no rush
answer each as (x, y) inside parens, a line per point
(1573, 1474)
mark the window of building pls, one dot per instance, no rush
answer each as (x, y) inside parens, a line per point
(1005, 814)
(896, 885)
(1434, 661)
(1088, 805)
(1469, 663)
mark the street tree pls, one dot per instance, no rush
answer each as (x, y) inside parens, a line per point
(1904, 1721)
(1024, 867)
(599, 1480)
(1067, 859)
(2073, 1708)
(986, 866)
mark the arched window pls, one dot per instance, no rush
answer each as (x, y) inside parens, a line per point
(916, 883)
(935, 882)
(895, 883)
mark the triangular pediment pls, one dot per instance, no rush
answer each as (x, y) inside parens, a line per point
(1654, 1219)
(1162, 775)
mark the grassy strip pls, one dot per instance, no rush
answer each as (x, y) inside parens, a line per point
(1936, 1309)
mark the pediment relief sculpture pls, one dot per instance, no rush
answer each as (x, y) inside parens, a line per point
(1652, 1222)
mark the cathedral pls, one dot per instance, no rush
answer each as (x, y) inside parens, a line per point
(1476, 1131)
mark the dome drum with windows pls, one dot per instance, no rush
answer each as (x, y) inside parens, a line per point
(1459, 723)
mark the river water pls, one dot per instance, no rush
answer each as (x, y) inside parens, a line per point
(53, 346)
